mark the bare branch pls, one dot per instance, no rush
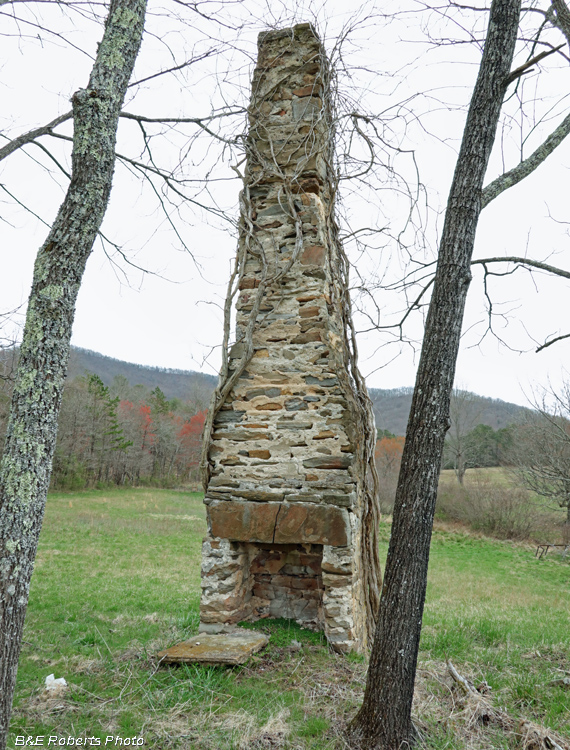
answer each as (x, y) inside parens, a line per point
(523, 262)
(552, 341)
(52, 157)
(31, 135)
(200, 121)
(23, 205)
(527, 166)
(524, 68)
(170, 181)
(174, 69)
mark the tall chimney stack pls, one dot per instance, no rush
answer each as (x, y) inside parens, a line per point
(290, 481)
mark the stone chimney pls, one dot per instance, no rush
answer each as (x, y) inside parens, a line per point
(288, 459)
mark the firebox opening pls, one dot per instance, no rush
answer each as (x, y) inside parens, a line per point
(286, 582)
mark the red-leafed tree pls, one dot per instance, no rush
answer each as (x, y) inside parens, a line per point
(388, 453)
(190, 436)
(388, 456)
(159, 439)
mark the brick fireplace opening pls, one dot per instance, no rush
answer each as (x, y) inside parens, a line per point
(276, 581)
(287, 582)
(247, 575)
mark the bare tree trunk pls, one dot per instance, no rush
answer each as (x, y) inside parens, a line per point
(384, 720)
(463, 414)
(31, 435)
(460, 469)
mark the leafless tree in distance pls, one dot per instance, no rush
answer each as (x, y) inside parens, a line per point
(541, 449)
(464, 413)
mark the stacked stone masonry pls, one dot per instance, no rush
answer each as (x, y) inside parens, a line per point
(284, 498)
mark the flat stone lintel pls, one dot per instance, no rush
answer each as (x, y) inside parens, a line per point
(279, 523)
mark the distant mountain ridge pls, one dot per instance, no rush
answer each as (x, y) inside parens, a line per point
(391, 406)
(182, 384)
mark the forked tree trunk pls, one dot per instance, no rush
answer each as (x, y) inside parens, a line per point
(26, 463)
(384, 720)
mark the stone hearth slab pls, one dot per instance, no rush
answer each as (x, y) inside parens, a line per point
(222, 648)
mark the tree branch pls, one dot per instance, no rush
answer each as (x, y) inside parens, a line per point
(524, 262)
(562, 18)
(527, 166)
(485, 709)
(31, 135)
(174, 69)
(552, 341)
(200, 121)
(518, 72)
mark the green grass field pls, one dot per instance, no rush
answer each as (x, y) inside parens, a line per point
(492, 501)
(117, 579)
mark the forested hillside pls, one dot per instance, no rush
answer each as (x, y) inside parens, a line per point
(117, 424)
(391, 406)
(185, 385)
(126, 423)
(391, 409)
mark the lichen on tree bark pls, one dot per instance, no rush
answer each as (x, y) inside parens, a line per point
(30, 440)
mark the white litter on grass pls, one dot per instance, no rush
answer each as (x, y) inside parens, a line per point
(53, 684)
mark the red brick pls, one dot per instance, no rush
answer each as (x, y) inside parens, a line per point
(249, 284)
(306, 91)
(259, 454)
(314, 255)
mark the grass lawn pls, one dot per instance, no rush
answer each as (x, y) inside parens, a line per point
(498, 475)
(117, 579)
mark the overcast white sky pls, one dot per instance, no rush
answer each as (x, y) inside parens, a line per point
(172, 319)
